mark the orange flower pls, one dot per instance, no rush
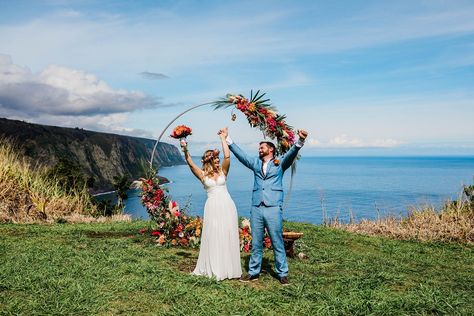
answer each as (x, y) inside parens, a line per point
(252, 107)
(181, 131)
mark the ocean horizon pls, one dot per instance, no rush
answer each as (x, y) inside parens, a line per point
(358, 187)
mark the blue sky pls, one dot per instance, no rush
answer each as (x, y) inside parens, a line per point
(363, 77)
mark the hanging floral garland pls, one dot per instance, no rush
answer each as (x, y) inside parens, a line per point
(171, 224)
(262, 115)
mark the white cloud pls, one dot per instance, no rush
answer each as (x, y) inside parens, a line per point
(345, 141)
(313, 142)
(69, 13)
(177, 40)
(386, 143)
(62, 91)
(66, 97)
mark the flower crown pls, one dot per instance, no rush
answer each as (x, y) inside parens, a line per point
(209, 156)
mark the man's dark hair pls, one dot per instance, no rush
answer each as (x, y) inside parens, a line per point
(271, 145)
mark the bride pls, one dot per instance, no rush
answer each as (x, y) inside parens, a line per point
(219, 253)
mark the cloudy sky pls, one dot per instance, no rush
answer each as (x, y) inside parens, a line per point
(363, 77)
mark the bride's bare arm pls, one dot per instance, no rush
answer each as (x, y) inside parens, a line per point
(225, 149)
(194, 168)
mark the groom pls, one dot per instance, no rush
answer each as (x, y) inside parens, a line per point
(267, 199)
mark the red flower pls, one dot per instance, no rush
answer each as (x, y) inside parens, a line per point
(267, 242)
(271, 121)
(242, 106)
(183, 242)
(142, 231)
(247, 247)
(155, 233)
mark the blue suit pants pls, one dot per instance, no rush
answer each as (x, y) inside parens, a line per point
(270, 217)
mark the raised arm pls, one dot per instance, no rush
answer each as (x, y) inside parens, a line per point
(241, 156)
(290, 156)
(194, 168)
(225, 149)
(239, 153)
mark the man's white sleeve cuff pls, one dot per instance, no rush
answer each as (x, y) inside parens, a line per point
(299, 143)
(229, 140)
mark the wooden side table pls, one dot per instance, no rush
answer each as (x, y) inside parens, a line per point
(289, 239)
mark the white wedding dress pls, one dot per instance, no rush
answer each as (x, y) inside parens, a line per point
(219, 253)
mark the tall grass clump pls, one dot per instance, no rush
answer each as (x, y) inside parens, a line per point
(29, 194)
(454, 221)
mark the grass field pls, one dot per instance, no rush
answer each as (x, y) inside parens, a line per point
(109, 269)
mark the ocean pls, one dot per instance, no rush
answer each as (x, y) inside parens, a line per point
(361, 187)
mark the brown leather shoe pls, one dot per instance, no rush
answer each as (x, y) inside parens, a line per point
(249, 278)
(284, 281)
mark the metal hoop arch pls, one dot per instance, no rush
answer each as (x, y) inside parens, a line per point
(169, 124)
(293, 165)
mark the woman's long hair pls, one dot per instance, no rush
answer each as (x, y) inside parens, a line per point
(208, 163)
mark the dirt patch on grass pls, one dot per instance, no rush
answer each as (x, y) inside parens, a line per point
(109, 234)
(187, 265)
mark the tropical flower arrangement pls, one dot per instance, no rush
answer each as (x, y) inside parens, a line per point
(261, 114)
(173, 226)
(181, 131)
(245, 234)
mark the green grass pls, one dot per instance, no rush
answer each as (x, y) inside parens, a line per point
(109, 269)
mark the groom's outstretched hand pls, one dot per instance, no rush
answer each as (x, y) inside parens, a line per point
(223, 132)
(302, 134)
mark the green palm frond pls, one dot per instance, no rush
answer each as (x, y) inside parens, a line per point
(257, 98)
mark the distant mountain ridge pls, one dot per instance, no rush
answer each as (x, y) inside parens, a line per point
(100, 155)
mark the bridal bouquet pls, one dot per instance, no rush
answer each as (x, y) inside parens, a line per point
(181, 131)
(262, 115)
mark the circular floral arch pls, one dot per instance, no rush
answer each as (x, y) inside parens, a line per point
(260, 114)
(174, 226)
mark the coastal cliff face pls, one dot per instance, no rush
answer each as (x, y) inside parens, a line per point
(100, 155)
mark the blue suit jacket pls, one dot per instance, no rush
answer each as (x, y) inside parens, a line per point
(266, 188)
